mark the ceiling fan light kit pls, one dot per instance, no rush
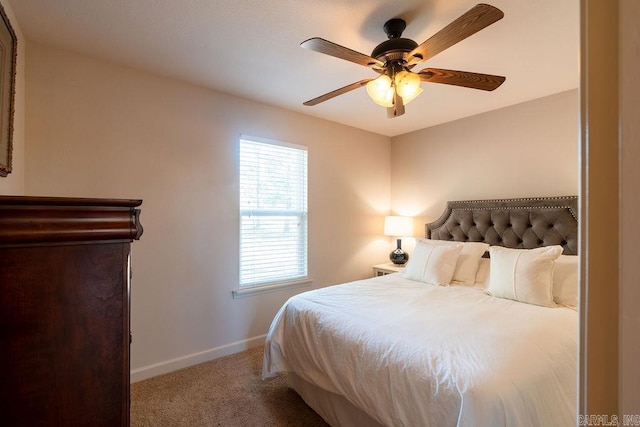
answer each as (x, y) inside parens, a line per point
(393, 59)
(380, 90)
(383, 89)
(407, 85)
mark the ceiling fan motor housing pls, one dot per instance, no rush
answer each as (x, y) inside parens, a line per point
(394, 49)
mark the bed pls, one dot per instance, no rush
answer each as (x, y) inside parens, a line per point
(456, 339)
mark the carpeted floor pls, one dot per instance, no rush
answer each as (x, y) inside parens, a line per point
(224, 392)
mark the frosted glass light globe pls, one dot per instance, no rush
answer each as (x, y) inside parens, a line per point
(407, 85)
(381, 91)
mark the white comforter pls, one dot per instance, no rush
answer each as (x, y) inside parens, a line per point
(411, 354)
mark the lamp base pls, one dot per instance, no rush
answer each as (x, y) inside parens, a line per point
(398, 256)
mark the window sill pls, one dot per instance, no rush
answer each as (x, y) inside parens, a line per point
(272, 287)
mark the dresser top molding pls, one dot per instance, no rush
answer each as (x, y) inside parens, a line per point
(27, 220)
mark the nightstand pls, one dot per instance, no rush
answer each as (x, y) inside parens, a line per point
(386, 268)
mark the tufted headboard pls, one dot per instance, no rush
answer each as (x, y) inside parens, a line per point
(513, 223)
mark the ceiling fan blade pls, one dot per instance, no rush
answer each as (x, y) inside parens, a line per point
(330, 48)
(475, 19)
(397, 109)
(461, 78)
(337, 92)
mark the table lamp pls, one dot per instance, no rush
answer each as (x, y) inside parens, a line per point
(398, 227)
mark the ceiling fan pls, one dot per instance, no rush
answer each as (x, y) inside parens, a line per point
(393, 59)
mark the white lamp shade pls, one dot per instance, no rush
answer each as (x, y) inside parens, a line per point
(398, 226)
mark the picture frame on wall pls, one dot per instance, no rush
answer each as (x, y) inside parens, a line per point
(8, 57)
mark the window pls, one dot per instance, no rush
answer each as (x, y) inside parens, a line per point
(273, 212)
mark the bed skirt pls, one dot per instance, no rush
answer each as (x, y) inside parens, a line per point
(333, 408)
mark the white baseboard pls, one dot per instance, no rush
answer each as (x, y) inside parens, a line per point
(165, 367)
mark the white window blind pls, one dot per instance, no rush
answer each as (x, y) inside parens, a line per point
(273, 212)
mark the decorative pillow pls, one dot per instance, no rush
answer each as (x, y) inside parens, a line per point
(565, 281)
(467, 264)
(432, 263)
(482, 275)
(524, 275)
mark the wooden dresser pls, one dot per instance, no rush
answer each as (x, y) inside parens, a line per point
(64, 313)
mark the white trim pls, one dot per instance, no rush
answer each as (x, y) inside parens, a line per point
(171, 365)
(272, 142)
(247, 291)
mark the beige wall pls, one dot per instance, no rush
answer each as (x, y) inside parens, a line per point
(101, 130)
(13, 183)
(529, 149)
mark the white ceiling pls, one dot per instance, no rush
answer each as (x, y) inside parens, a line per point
(250, 48)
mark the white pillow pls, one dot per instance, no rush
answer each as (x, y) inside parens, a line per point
(468, 261)
(524, 275)
(432, 263)
(565, 281)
